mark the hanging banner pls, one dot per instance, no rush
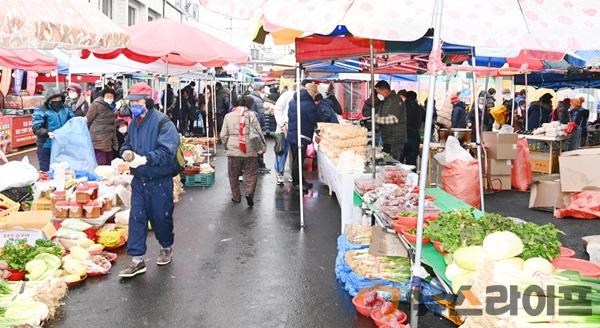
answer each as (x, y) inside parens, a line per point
(5, 134)
(31, 76)
(18, 81)
(5, 81)
(22, 131)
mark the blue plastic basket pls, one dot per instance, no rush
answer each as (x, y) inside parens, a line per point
(199, 180)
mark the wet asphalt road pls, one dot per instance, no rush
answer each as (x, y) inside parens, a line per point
(236, 267)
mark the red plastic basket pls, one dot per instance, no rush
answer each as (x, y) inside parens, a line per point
(585, 268)
(379, 320)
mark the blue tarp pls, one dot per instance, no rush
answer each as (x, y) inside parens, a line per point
(557, 81)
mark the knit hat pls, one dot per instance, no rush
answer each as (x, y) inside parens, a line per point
(454, 100)
(567, 101)
(75, 87)
(575, 102)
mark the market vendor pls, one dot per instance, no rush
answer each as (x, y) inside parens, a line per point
(151, 149)
(392, 119)
(52, 115)
(77, 100)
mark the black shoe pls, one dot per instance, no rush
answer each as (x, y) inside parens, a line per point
(250, 201)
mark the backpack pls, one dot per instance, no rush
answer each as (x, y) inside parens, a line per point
(179, 159)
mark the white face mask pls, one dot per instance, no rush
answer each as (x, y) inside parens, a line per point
(108, 100)
(507, 97)
(122, 129)
(73, 95)
(381, 97)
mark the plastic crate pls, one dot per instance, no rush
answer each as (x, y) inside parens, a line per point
(8, 206)
(199, 180)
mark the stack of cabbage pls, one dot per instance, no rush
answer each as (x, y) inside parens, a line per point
(496, 263)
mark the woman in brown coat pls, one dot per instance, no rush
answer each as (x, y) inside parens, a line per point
(241, 158)
(101, 122)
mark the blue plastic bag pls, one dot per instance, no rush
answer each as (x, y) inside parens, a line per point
(72, 144)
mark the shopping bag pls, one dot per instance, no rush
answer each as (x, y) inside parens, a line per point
(310, 151)
(72, 144)
(279, 143)
(522, 175)
(584, 205)
(461, 180)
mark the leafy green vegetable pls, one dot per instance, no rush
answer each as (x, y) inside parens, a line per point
(459, 228)
(17, 252)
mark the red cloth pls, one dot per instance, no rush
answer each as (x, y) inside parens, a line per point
(241, 128)
(584, 205)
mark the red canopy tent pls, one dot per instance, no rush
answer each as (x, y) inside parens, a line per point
(174, 43)
(29, 60)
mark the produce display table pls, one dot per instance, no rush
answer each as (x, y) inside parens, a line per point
(549, 164)
(340, 183)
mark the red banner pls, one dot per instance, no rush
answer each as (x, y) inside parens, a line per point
(5, 134)
(22, 133)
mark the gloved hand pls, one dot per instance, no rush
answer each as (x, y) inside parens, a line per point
(51, 135)
(138, 161)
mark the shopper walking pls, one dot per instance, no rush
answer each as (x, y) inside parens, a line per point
(169, 94)
(241, 157)
(415, 118)
(309, 119)
(259, 109)
(151, 146)
(77, 100)
(281, 117)
(392, 119)
(52, 115)
(101, 122)
(222, 104)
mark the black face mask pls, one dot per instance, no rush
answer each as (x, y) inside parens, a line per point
(56, 105)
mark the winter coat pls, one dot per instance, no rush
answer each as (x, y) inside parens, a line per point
(586, 117)
(281, 108)
(230, 133)
(170, 96)
(259, 108)
(101, 122)
(576, 115)
(337, 108)
(309, 119)
(394, 133)
(46, 119)
(223, 101)
(79, 106)
(327, 112)
(537, 114)
(459, 115)
(563, 113)
(97, 92)
(155, 137)
(415, 117)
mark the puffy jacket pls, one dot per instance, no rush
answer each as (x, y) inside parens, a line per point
(223, 101)
(156, 138)
(282, 107)
(79, 106)
(537, 114)
(576, 115)
(459, 115)
(309, 119)
(46, 119)
(327, 112)
(415, 117)
(393, 133)
(259, 109)
(230, 133)
(101, 121)
(337, 108)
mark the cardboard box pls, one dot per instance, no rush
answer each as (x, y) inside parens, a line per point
(500, 145)
(30, 225)
(579, 170)
(499, 166)
(499, 182)
(540, 162)
(546, 193)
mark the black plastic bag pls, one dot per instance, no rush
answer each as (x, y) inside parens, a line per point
(279, 143)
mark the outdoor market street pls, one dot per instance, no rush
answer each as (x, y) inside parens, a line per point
(236, 267)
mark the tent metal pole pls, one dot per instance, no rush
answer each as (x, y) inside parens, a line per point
(478, 131)
(214, 109)
(526, 105)
(299, 144)
(372, 71)
(416, 270)
(166, 84)
(512, 112)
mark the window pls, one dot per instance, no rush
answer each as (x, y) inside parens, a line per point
(131, 12)
(107, 8)
(153, 15)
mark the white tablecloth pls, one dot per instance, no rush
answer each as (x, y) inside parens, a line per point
(340, 183)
